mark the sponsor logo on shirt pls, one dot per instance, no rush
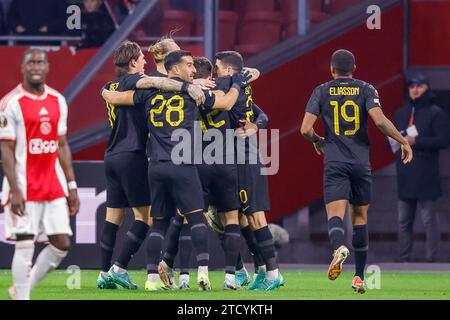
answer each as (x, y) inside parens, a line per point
(46, 128)
(39, 146)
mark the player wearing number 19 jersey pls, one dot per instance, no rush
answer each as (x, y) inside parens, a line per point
(345, 105)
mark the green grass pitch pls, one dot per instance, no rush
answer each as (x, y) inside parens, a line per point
(299, 285)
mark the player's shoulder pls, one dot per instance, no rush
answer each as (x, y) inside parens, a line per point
(323, 88)
(364, 85)
(156, 73)
(223, 83)
(53, 92)
(12, 96)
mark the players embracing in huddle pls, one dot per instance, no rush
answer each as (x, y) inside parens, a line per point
(182, 190)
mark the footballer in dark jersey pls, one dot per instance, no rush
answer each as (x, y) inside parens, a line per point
(253, 186)
(172, 174)
(345, 104)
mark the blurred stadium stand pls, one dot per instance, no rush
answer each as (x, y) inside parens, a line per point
(292, 48)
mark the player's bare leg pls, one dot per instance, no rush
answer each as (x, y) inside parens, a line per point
(49, 258)
(133, 241)
(21, 266)
(232, 236)
(360, 242)
(273, 278)
(336, 232)
(113, 220)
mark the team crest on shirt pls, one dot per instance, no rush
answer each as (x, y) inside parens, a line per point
(3, 121)
(46, 128)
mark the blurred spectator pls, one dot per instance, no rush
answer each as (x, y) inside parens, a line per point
(31, 17)
(96, 24)
(427, 128)
(149, 26)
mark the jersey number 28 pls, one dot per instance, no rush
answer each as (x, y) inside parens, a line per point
(174, 105)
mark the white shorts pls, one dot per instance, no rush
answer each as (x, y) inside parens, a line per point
(41, 219)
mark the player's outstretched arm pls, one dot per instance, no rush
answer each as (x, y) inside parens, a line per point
(388, 129)
(9, 164)
(119, 98)
(65, 159)
(167, 84)
(227, 101)
(254, 73)
(308, 132)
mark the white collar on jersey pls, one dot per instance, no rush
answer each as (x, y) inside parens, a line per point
(32, 95)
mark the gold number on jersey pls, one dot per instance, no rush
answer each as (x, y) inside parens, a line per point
(159, 110)
(210, 119)
(171, 108)
(248, 104)
(178, 108)
(111, 114)
(110, 107)
(243, 196)
(343, 112)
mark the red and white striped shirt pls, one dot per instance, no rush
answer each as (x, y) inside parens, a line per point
(34, 123)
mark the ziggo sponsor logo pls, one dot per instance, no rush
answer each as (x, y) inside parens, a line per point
(39, 146)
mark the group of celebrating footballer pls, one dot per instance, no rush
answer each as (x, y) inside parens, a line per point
(143, 168)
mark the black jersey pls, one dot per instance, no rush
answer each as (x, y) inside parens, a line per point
(129, 128)
(156, 73)
(243, 108)
(343, 105)
(166, 112)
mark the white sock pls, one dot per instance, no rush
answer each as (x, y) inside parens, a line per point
(21, 265)
(272, 275)
(230, 277)
(153, 277)
(118, 270)
(203, 269)
(48, 260)
(183, 277)
(262, 268)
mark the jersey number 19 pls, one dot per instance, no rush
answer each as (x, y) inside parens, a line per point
(342, 112)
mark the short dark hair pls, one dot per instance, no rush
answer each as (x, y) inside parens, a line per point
(231, 58)
(33, 49)
(123, 55)
(203, 66)
(174, 58)
(343, 62)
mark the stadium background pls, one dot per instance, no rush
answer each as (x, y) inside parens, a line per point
(293, 55)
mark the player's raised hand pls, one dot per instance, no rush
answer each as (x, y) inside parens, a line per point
(241, 78)
(407, 153)
(196, 93)
(17, 203)
(205, 84)
(73, 202)
(254, 73)
(319, 146)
